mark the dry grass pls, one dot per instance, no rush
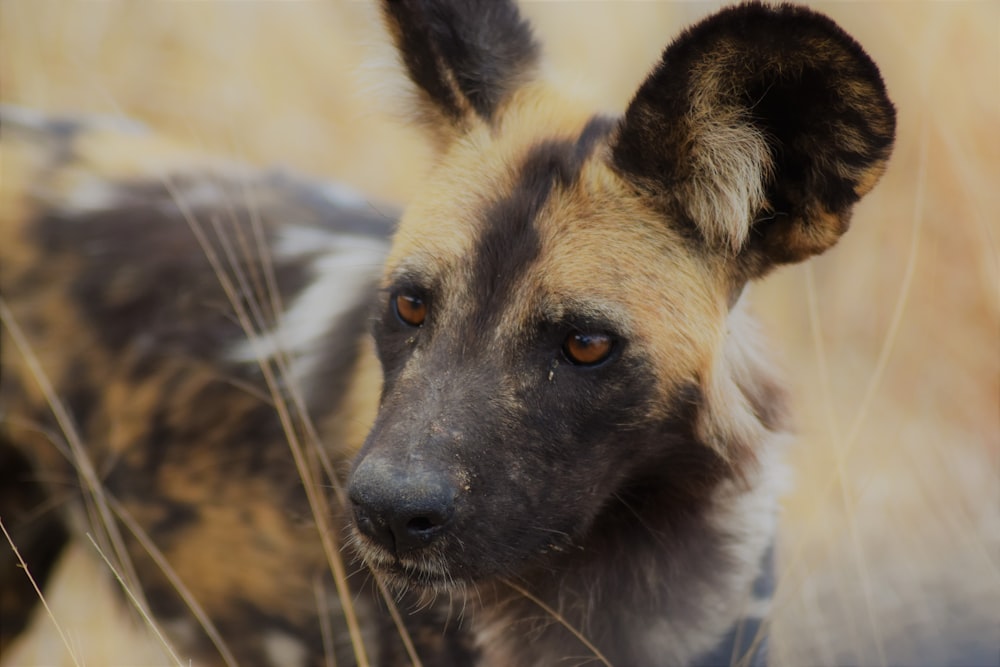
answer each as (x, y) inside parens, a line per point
(891, 342)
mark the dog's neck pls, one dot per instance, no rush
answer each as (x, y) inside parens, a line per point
(676, 586)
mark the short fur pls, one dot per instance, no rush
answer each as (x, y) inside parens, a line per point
(200, 321)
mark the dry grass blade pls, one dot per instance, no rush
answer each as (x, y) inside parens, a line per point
(325, 627)
(397, 620)
(559, 618)
(150, 623)
(41, 597)
(752, 652)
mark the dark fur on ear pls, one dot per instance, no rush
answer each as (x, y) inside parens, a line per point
(761, 126)
(464, 56)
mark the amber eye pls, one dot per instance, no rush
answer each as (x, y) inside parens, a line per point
(588, 349)
(410, 309)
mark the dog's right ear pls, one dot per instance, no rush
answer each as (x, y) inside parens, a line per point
(465, 58)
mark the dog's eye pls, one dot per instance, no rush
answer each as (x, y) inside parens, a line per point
(410, 309)
(587, 349)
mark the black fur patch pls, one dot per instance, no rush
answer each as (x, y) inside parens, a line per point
(37, 530)
(481, 46)
(509, 242)
(147, 281)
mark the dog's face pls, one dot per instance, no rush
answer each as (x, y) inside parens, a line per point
(553, 312)
(535, 355)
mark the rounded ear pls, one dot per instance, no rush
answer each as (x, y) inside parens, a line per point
(760, 127)
(464, 58)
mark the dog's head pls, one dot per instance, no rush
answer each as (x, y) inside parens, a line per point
(553, 313)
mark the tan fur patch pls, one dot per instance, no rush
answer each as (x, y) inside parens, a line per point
(603, 248)
(355, 418)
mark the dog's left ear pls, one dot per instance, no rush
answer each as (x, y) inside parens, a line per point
(464, 57)
(760, 127)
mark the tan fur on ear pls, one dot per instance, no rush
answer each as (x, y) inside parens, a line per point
(730, 164)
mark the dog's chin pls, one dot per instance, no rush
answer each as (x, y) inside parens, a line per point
(431, 571)
(402, 576)
(422, 572)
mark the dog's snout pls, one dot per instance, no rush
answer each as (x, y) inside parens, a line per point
(403, 510)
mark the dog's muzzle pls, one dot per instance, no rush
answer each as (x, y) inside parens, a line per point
(401, 509)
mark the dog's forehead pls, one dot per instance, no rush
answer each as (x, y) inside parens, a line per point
(474, 189)
(545, 225)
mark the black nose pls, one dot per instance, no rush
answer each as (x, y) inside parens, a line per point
(402, 510)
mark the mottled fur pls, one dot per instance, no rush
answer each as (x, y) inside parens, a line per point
(203, 326)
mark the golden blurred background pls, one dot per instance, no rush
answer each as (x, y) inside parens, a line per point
(891, 531)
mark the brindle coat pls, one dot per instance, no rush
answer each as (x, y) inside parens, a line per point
(564, 429)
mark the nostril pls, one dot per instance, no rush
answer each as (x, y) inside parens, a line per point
(373, 527)
(421, 524)
(415, 530)
(361, 517)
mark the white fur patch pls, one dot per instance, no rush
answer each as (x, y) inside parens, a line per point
(203, 193)
(92, 195)
(17, 118)
(343, 196)
(350, 264)
(283, 650)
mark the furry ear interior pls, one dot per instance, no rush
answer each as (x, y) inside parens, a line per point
(761, 127)
(464, 57)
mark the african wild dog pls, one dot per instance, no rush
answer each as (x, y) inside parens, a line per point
(563, 438)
